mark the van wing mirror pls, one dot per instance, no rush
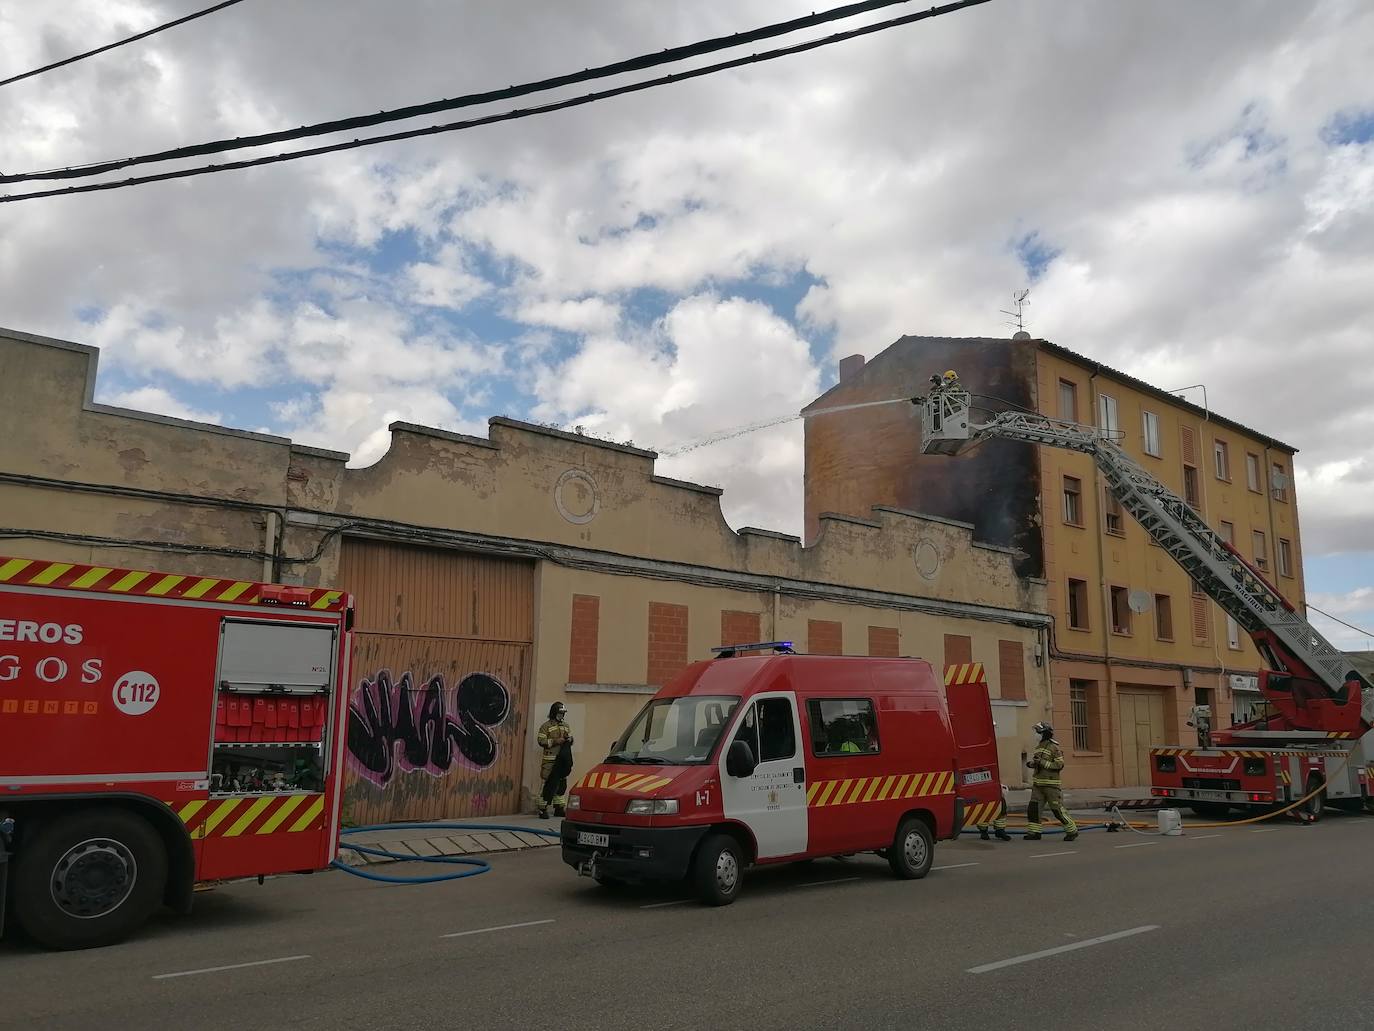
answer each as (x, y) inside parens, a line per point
(739, 760)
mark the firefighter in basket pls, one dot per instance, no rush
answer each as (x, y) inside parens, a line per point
(1046, 789)
(555, 739)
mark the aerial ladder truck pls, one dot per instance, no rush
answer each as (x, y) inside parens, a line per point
(1316, 737)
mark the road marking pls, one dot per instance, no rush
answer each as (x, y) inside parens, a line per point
(499, 927)
(660, 905)
(1204, 837)
(1138, 844)
(953, 866)
(835, 880)
(1044, 954)
(1263, 830)
(231, 966)
(1046, 855)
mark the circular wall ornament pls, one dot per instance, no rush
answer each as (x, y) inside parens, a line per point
(927, 559)
(577, 496)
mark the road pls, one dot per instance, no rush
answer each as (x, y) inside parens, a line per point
(1217, 929)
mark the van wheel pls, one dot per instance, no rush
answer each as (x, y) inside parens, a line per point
(88, 878)
(913, 849)
(717, 870)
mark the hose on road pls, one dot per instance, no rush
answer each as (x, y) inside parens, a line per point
(478, 865)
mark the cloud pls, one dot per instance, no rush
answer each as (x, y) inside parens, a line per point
(159, 402)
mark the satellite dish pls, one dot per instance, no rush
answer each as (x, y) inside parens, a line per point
(1139, 601)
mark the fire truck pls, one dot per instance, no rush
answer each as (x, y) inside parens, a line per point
(159, 730)
(1316, 737)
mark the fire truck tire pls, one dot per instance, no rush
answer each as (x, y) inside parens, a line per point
(718, 870)
(913, 849)
(88, 878)
(1313, 806)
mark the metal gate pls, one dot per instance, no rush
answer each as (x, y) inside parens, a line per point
(439, 701)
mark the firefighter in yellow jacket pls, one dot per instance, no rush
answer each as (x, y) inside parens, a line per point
(554, 736)
(1046, 789)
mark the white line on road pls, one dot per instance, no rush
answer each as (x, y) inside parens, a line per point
(660, 905)
(1031, 956)
(499, 927)
(1263, 830)
(231, 966)
(1138, 844)
(953, 866)
(1204, 837)
(1046, 855)
(833, 880)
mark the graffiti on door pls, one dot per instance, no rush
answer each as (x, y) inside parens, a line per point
(394, 726)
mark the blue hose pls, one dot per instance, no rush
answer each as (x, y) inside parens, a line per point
(479, 865)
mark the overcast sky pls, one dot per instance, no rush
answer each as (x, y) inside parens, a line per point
(1187, 189)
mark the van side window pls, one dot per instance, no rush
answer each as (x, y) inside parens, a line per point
(777, 734)
(843, 726)
(749, 731)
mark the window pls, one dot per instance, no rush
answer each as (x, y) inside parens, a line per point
(678, 731)
(1083, 714)
(1115, 516)
(1278, 482)
(1261, 547)
(958, 649)
(777, 732)
(1192, 492)
(1078, 604)
(1121, 610)
(1150, 426)
(1011, 670)
(1164, 618)
(1106, 413)
(1285, 557)
(1222, 456)
(1068, 401)
(842, 726)
(1227, 532)
(1232, 634)
(1252, 472)
(1073, 501)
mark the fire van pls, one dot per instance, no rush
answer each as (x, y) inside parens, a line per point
(777, 758)
(157, 730)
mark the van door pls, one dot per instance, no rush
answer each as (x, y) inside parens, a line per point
(771, 801)
(975, 749)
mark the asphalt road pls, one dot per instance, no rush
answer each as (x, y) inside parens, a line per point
(1217, 929)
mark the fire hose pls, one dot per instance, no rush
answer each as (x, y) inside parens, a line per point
(478, 865)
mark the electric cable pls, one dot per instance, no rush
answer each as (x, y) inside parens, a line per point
(504, 116)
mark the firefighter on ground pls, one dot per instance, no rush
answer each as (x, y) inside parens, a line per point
(555, 738)
(999, 823)
(1046, 789)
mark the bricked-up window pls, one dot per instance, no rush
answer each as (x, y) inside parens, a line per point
(1078, 604)
(1278, 482)
(1073, 501)
(1221, 457)
(958, 648)
(739, 628)
(1252, 471)
(667, 642)
(1083, 714)
(1285, 557)
(1261, 547)
(884, 641)
(1121, 610)
(1068, 400)
(1149, 426)
(1198, 599)
(1115, 514)
(824, 637)
(1164, 617)
(1011, 670)
(583, 639)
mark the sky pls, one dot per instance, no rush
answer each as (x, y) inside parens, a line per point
(1186, 189)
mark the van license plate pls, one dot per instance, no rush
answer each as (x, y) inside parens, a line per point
(589, 838)
(981, 777)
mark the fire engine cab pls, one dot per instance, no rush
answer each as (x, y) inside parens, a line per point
(775, 758)
(157, 730)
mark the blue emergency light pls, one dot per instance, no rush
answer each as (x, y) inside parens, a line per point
(730, 650)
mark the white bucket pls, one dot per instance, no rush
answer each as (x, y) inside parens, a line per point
(1170, 822)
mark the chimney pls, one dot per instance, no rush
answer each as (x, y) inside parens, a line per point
(849, 367)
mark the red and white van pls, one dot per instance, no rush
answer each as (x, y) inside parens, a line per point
(760, 759)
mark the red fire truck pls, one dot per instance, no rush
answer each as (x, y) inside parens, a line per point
(157, 730)
(1317, 736)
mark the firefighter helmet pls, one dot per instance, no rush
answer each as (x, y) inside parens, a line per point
(557, 711)
(1043, 729)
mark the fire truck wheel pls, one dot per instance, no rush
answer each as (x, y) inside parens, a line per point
(88, 878)
(718, 870)
(913, 849)
(1313, 806)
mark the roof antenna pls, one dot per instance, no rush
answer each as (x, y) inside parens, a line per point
(1018, 300)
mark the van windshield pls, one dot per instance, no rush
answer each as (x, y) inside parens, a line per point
(675, 731)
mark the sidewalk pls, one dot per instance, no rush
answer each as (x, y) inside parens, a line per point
(454, 842)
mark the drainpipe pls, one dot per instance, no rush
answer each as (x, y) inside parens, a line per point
(1112, 745)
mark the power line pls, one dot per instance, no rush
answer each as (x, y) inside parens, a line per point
(633, 64)
(123, 42)
(506, 116)
(1349, 626)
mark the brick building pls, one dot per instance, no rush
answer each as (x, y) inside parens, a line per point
(1134, 645)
